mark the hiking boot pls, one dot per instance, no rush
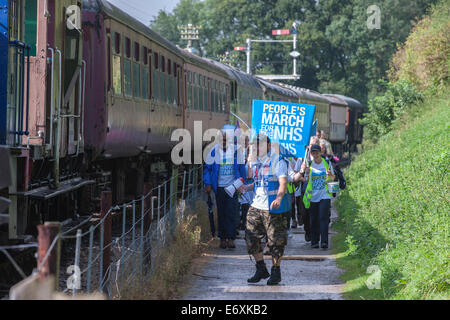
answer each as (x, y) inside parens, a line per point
(223, 244)
(231, 244)
(261, 273)
(275, 277)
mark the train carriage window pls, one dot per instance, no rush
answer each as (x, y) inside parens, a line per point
(200, 93)
(137, 51)
(189, 90)
(155, 76)
(31, 25)
(145, 86)
(205, 97)
(127, 81)
(169, 81)
(195, 91)
(127, 73)
(213, 96)
(216, 97)
(227, 107)
(137, 80)
(223, 98)
(117, 65)
(150, 86)
(169, 88)
(127, 45)
(117, 43)
(145, 55)
(175, 98)
(117, 74)
(163, 87)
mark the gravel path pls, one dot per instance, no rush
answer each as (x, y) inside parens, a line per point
(307, 274)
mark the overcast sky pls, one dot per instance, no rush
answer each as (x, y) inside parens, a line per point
(144, 10)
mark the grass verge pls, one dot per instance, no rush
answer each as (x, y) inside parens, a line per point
(191, 237)
(395, 214)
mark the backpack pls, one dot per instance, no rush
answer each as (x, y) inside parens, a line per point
(339, 175)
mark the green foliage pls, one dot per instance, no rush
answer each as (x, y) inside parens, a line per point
(339, 53)
(397, 211)
(424, 59)
(383, 110)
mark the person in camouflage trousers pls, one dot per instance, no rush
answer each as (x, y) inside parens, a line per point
(267, 215)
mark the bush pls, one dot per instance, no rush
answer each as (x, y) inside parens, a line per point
(383, 110)
(424, 58)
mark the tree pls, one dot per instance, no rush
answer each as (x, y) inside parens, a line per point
(339, 53)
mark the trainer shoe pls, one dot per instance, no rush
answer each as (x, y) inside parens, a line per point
(223, 243)
(324, 245)
(315, 246)
(230, 244)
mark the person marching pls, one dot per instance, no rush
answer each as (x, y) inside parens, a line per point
(268, 212)
(223, 166)
(246, 199)
(324, 140)
(317, 198)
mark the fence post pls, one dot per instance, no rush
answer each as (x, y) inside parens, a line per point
(91, 244)
(105, 206)
(147, 206)
(50, 266)
(189, 185)
(122, 251)
(141, 260)
(184, 184)
(159, 214)
(77, 280)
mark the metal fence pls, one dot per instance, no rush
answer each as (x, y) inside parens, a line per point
(123, 246)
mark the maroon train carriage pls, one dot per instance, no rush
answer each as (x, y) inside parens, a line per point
(134, 98)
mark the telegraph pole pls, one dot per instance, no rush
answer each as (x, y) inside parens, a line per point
(249, 48)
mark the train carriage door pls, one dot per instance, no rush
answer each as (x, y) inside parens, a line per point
(72, 80)
(13, 83)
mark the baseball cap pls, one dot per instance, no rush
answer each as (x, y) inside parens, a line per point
(315, 147)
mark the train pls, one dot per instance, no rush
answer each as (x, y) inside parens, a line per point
(90, 96)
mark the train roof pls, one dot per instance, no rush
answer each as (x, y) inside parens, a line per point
(204, 63)
(242, 78)
(306, 94)
(277, 88)
(112, 11)
(335, 100)
(352, 103)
